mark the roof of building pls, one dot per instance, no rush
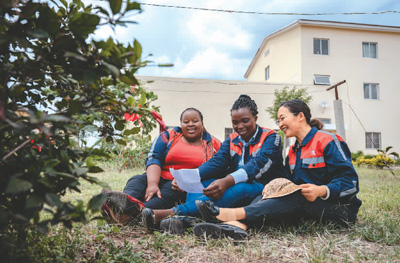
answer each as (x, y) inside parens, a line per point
(321, 23)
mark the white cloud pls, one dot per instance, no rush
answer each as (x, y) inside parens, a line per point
(207, 63)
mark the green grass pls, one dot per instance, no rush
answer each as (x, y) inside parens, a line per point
(375, 237)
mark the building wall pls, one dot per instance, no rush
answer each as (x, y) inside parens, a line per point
(214, 98)
(284, 58)
(346, 62)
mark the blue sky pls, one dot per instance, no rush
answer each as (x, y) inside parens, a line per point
(219, 45)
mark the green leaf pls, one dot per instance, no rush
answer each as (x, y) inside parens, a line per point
(130, 80)
(38, 33)
(137, 48)
(115, 229)
(142, 100)
(120, 125)
(131, 99)
(122, 142)
(56, 118)
(95, 169)
(109, 139)
(133, 6)
(113, 69)
(132, 131)
(53, 200)
(115, 6)
(97, 201)
(84, 23)
(34, 201)
(16, 186)
(75, 107)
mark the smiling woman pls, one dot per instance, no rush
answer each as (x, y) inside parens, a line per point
(184, 147)
(246, 161)
(321, 182)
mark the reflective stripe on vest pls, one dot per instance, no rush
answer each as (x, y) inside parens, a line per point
(315, 162)
(253, 149)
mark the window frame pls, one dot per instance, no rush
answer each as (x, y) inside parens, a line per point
(321, 83)
(267, 73)
(370, 140)
(228, 133)
(369, 50)
(320, 48)
(370, 95)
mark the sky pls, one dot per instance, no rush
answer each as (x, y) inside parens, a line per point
(221, 45)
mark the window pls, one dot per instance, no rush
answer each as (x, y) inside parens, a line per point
(369, 50)
(267, 73)
(325, 120)
(228, 131)
(266, 53)
(371, 91)
(322, 80)
(321, 46)
(373, 140)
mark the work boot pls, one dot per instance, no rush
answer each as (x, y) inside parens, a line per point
(177, 225)
(120, 207)
(208, 210)
(217, 231)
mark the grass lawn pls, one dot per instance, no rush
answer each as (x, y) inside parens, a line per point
(375, 237)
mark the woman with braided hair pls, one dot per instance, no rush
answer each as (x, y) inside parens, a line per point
(321, 183)
(246, 161)
(184, 147)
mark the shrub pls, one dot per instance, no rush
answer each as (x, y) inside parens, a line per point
(55, 82)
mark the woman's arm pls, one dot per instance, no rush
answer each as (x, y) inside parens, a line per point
(153, 178)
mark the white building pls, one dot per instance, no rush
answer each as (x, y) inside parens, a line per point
(314, 55)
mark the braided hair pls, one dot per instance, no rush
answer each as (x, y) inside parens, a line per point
(210, 146)
(244, 101)
(296, 106)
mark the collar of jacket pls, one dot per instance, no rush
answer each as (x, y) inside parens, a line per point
(236, 140)
(206, 135)
(308, 137)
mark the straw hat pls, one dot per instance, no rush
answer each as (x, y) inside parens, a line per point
(279, 187)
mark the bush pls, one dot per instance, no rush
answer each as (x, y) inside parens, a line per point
(55, 82)
(355, 156)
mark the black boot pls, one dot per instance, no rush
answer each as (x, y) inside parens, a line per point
(177, 225)
(208, 210)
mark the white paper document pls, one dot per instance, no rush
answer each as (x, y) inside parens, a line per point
(188, 180)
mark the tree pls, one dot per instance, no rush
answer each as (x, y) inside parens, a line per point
(287, 94)
(284, 95)
(55, 80)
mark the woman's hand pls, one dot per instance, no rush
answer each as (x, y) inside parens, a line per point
(217, 188)
(175, 186)
(152, 190)
(312, 191)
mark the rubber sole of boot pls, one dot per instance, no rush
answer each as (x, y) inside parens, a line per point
(217, 231)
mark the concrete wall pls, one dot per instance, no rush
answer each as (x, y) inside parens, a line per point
(284, 59)
(344, 62)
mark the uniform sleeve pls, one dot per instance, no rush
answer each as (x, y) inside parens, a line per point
(344, 179)
(270, 153)
(217, 166)
(216, 143)
(157, 150)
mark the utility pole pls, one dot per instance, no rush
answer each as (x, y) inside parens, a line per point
(338, 108)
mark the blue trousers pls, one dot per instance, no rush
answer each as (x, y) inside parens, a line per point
(238, 195)
(136, 187)
(295, 206)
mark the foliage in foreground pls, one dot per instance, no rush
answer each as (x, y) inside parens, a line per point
(55, 81)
